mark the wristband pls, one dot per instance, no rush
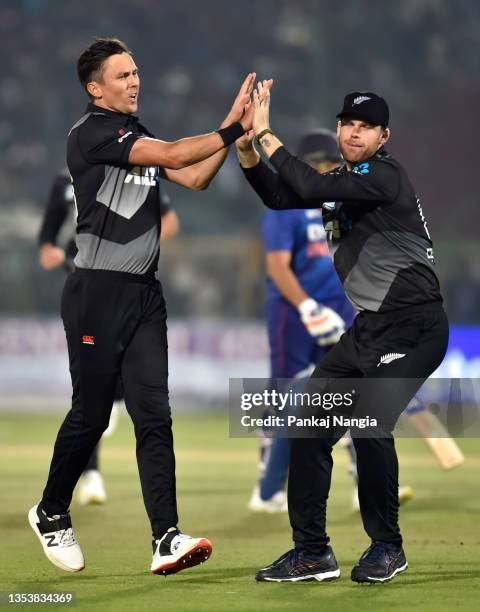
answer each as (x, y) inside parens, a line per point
(262, 134)
(230, 134)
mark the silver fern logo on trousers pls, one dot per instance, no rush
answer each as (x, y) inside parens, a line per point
(389, 357)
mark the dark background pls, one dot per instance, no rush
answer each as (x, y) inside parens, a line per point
(421, 55)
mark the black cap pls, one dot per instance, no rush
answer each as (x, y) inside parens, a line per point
(365, 105)
(318, 145)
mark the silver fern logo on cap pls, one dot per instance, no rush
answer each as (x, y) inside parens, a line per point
(360, 99)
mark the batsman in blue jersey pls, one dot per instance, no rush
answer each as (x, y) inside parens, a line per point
(306, 307)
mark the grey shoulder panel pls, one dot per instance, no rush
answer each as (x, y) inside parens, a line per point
(79, 122)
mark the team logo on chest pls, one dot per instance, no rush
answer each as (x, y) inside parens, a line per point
(139, 175)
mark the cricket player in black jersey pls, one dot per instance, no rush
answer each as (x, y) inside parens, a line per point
(383, 255)
(57, 248)
(112, 305)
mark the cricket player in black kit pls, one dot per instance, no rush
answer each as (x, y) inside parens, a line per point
(383, 255)
(112, 305)
(57, 248)
(59, 215)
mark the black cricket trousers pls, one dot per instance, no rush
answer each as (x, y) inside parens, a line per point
(417, 338)
(115, 323)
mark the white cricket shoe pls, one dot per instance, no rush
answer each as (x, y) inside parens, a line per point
(91, 489)
(57, 538)
(176, 551)
(276, 503)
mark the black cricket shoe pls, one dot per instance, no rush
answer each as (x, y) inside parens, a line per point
(296, 565)
(381, 562)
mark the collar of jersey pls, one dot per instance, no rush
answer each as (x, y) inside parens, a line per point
(382, 153)
(124, 117)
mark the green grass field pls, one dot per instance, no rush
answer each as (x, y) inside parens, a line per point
(215, 475)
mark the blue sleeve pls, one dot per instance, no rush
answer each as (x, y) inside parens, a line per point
(278, 230)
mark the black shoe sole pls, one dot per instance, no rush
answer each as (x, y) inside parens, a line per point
(372, 580)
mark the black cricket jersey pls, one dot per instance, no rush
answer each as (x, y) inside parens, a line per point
(118, 204)
(374, 222)
(59, 215)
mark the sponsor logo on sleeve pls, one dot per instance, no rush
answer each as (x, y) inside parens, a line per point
(122, 138)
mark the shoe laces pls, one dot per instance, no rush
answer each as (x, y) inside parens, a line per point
(377, 552)
(294, 557)
(291, 556)
(178, 540)
(170, 541)
(67, 537)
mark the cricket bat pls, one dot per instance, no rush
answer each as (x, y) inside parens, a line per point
(444, 448)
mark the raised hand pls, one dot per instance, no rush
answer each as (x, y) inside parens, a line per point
(237, 112)
(247, 155)
(261, 106)
(247, 118)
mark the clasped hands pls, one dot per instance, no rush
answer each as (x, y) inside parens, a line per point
(251, 108)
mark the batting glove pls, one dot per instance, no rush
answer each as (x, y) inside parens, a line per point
(321, 322)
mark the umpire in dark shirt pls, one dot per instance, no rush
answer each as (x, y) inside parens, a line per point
(383, 255)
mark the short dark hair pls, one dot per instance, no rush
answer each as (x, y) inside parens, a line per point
(90, 62)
